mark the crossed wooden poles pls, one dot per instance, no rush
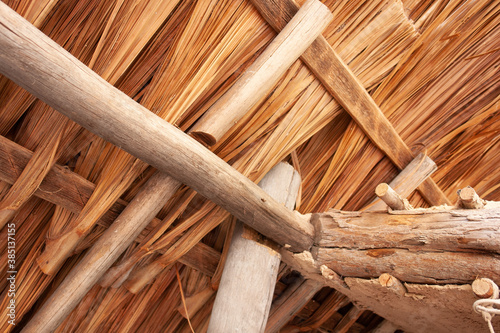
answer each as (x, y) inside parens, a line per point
(36, 63)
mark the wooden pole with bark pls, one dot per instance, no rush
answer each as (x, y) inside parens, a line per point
(432, 245)
(247, 285)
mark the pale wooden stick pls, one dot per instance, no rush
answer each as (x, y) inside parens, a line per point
(35, 62)
(408, 180)
(104, 253)
(391, 198)
(259, 78)
(468, 199)
(247, 284)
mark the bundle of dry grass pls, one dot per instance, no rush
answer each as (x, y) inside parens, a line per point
(431, 66)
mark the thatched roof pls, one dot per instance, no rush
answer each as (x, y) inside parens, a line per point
(431, 71)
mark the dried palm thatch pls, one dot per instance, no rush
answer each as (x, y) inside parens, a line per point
(430, 66)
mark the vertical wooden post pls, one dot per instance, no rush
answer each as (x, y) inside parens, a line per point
(247, 285)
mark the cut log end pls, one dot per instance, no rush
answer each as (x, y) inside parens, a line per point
(391, 198)
(469, 199)
(484, 288)
(204, 138)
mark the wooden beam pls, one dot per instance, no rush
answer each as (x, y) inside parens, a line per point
(348, 320)
(247, 284)
(69, 190)
(42, 67)
(421, 245)
(309, 22)
(135, 217)
(344, 86)
(405, 182)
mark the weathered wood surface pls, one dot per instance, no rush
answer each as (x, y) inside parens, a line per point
(42, 67)
(344, 86)
(310, 21)
(385, 327)
(469, 199)
(139, 212)
(247, 284)
(408, 180)
(392, 199)
(423, 245)
(294, 298)
(424, 308)
(418, 229)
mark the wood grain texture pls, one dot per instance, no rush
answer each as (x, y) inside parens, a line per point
(247, 284)
(391, 198)
(312, 18)
(419, 229)
(42, 67)
(344, 86)
(422, 245)
(423, 308)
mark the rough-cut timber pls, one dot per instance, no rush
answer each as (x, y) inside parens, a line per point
(247, 284)
(312, 18)
(344, 86)
(424, 308)
(422, 245)
(45, 69)
(140, 211)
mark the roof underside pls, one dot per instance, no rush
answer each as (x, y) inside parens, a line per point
(430, 66)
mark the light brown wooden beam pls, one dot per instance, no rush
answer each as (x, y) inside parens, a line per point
(344, 86)
(49, 72)
(69, 190)
(250, 272)
(421, 245)
(309, 22)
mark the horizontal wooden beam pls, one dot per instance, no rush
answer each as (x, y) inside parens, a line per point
(344, 86)
(71, 191)
(49, 72)
(421, 245)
